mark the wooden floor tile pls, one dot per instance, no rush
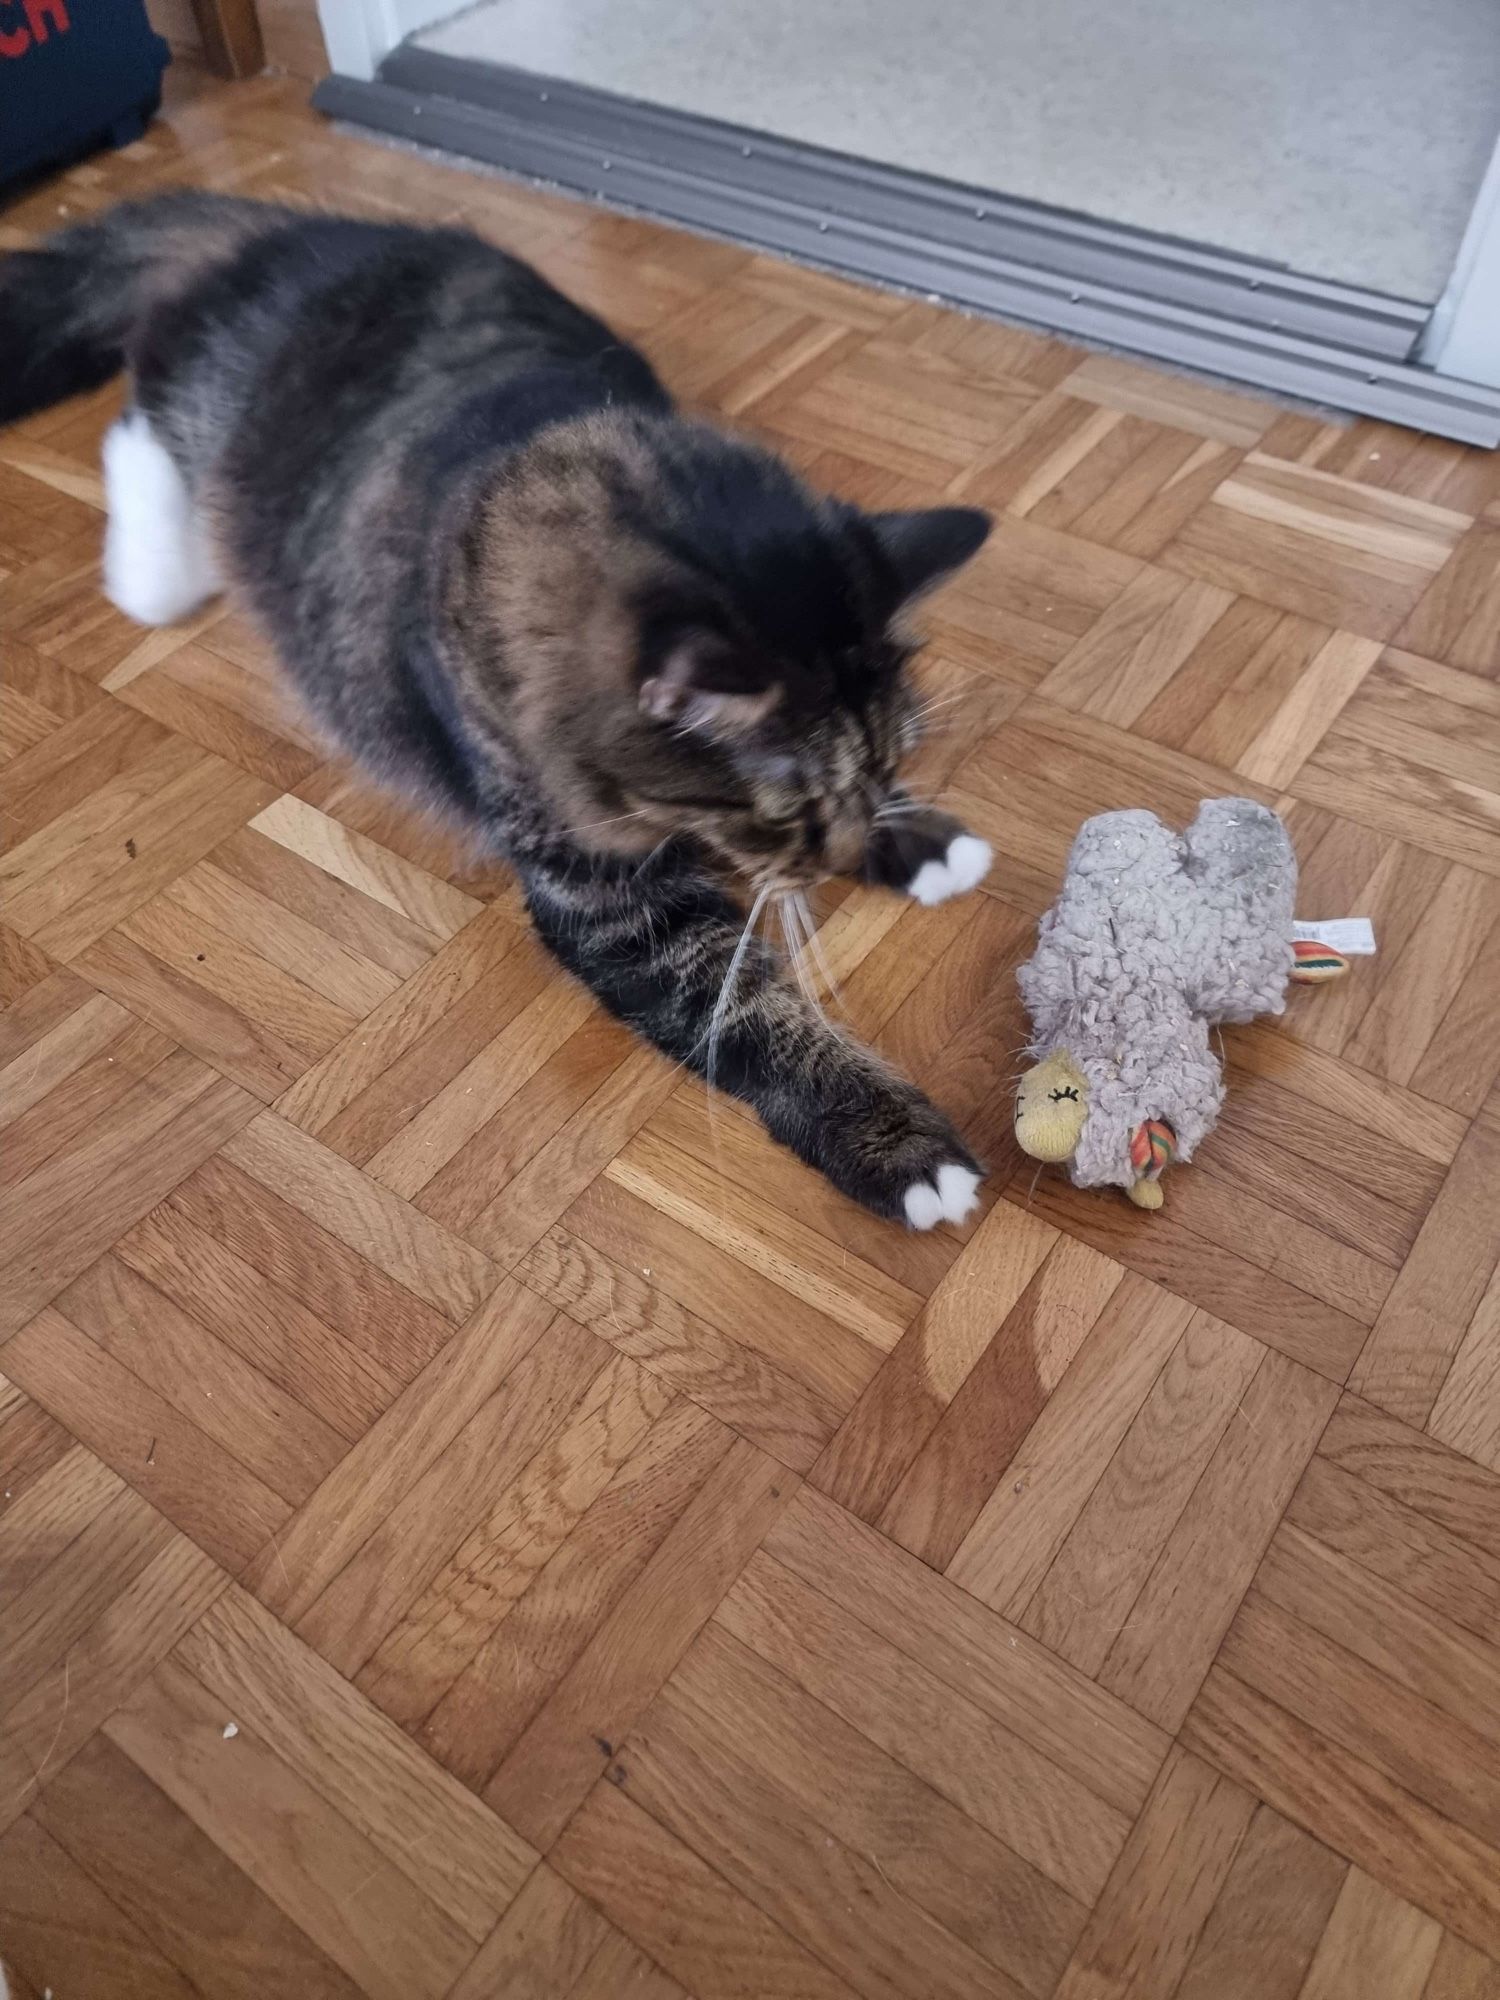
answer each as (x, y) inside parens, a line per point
(1349, 1805)
(263, 1811)
(1414, 754)
(1349, 555)
(1407, 1358)
(172, 1881)
(1089, 1591)
(1027, 599)
(1351, 1688)
(60, 1924)
(552, 1943)
(1102, 472)
(537, 1642)
(1269, 1916)
(593, 1707)
(1375, 1943)
(1147, 1923)
(900, 1453)
(684, 1912)
(478, 1520)
(1458, 617)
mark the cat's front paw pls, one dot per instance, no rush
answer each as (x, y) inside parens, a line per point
(961, 866)
(902, 1158)
(928, 854)
(950, 1195)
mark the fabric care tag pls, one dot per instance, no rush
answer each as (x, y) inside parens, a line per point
(1354, 936)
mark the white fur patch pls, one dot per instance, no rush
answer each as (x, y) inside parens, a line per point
(953, 1199)
(963, 867)
(157, 567)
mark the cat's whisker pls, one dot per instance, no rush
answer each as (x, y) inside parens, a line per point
(815, 945)
(730, 981)
(618, 819)
(904, 799)
(715, 1026)
(807, 950)
(794, 939)
(935, 706)
(647, 859)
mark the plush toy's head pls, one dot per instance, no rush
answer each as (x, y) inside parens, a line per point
(1052, 1110)
(1051, 1105)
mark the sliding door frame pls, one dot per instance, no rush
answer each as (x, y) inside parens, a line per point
(1463, 336)
(1443, 375)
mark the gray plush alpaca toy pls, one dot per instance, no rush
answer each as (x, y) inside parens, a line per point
(1155, 937)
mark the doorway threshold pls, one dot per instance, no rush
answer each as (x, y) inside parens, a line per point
(1244, 320)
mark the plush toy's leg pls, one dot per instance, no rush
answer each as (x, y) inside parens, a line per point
(1153, 1148)
(1316, 963)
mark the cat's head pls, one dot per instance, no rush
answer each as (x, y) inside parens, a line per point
(747, 653)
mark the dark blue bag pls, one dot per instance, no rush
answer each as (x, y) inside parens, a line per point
(74, 75)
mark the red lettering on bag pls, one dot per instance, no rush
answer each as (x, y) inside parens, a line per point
(40, 14)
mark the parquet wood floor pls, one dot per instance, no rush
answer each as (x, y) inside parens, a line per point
(474, 1525)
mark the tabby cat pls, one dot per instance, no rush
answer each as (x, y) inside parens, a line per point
(506, 576)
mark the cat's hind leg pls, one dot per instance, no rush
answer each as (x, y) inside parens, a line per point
(923, 852)
(157, 564)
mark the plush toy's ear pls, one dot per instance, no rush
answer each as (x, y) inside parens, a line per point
(924, 546)
(704, 688)
(1052, 1102)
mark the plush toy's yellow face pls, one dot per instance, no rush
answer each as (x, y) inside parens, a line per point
(1051, 1105)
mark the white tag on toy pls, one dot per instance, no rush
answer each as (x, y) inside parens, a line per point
(1354, 936)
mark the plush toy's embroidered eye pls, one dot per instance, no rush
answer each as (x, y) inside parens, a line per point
(1057, 1096)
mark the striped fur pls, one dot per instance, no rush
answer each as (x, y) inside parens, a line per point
(631, 652)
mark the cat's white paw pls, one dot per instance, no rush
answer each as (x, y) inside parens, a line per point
(963, 867)
(157, 567)
(954, 1199)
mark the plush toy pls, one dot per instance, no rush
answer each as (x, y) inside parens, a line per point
(1155, 938)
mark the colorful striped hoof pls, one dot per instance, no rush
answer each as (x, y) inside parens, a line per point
(1153, 1148)
(1316, 963)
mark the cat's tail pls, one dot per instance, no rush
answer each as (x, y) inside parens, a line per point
(60, 332)
(69, 307)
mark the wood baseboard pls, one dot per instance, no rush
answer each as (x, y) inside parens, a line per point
(232, 43)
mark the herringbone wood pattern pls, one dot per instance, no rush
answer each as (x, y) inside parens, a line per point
(476, 1524)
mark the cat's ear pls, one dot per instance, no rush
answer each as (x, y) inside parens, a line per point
(705, 688)
(924, 546)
